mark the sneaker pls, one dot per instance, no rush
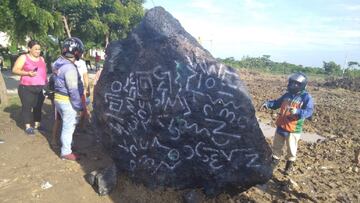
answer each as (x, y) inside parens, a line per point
(71, 157)
(30, 131)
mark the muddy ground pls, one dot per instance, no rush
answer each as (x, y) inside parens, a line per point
(31, 170)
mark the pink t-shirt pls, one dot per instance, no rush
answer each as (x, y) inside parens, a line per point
(30, 65)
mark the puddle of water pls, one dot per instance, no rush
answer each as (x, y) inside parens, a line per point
(269, 132)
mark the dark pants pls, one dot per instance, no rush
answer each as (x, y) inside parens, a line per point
(32, 99)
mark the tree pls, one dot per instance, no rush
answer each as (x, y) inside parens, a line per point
(353, 64)
(351, 71)
(266, 62)
(95, 22)
(331, 68)
(28, 18)
(120, 17)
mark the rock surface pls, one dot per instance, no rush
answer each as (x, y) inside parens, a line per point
(171, 115)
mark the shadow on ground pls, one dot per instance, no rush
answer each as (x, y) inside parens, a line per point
(85, 142)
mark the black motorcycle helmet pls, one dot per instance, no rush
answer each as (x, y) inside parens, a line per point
(72, 47)
(297, 83)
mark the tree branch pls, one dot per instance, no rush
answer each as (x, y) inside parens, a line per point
(66, 26)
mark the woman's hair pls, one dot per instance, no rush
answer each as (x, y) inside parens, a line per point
(33, 43)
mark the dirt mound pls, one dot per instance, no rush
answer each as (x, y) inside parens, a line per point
(345, 83)
(327, 171)
(336, 113)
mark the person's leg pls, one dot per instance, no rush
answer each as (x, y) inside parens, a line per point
(96, 66)
(68, 115)
(278, 144)
(27, 100)
(292, 145)
(38, 108)
(55, 129)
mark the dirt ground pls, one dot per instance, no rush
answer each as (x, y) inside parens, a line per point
(31, 170)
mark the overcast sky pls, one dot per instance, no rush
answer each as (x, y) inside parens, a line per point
(305, 32)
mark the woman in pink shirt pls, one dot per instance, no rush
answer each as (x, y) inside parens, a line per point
(32, 69)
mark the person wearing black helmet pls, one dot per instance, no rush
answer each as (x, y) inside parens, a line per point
(68, 92)
(295, 105)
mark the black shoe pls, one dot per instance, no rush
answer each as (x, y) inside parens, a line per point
(288, 167)
(274, 162)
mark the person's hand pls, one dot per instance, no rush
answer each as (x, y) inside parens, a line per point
(78, 116)
(87, 93)
(32, 73)
(294, 111)
(264, 106)
(78, 113)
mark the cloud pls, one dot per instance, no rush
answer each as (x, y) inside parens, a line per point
(256, 9)
(206, 5)
(349, 34)
(254, 27)
(254, 5)
(277, 37)
(350, 7)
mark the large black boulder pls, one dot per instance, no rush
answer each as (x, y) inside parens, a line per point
(171, 115)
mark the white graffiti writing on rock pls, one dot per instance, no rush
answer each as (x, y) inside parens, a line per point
(158, 101)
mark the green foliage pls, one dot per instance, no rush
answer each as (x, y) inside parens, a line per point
(7, 19)
(264, 64)
(26, 18)
(353, 64)
(94, 21)
(352, 71)
(331, 68)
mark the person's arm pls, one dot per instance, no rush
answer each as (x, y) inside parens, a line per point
(275, 104)
(308, 107)
(84, 75)
(43, 60)
(71, 80)
(18, 67)
(86, 84)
